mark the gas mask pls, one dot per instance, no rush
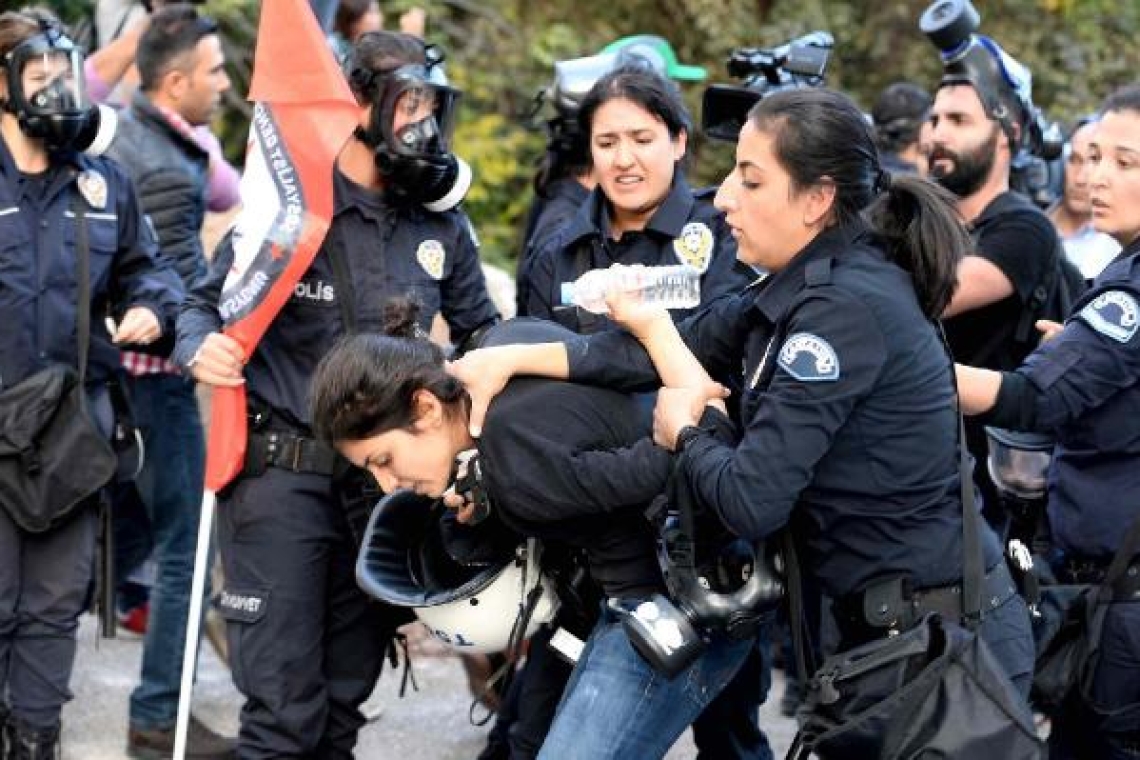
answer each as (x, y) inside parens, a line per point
(415, 160)
(48, 96)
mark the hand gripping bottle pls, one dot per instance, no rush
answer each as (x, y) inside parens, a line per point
(673, 287)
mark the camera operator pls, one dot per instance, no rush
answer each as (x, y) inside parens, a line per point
(979, 121)
(306, 644)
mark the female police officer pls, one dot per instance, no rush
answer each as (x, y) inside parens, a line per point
(642, 210)
(45, 178)
(848, 407)
(305, 644)
(1083, 385)
(559, 461)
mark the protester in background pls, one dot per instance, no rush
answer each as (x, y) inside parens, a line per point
(898, 115)
(1089, 249)
(1083, 386)
(45, 180)
(182, 77)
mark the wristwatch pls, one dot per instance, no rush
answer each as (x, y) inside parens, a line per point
(684, 435)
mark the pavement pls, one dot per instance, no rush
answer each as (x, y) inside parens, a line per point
(428, 724)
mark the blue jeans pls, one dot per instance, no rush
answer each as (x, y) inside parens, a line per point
(170, 485)
(617, 706)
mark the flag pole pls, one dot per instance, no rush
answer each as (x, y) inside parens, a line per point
(194, 621)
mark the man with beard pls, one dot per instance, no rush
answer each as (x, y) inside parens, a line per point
(979, 121)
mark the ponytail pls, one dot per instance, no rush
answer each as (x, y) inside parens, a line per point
(923, 234)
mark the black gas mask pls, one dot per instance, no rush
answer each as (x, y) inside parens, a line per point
(48, 96)
(415, 160)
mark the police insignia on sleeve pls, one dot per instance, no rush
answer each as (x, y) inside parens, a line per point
(431, 256)
(1113, 314)
(694, 246)
(809, 358)
(93, 188)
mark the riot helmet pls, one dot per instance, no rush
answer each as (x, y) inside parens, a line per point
(48, 96)
(475, 605)
(411, 120)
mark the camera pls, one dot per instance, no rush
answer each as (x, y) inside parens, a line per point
(1006, 89)
(728, 593)
(798, 63)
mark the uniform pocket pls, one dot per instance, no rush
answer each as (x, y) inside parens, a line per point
(242, 609)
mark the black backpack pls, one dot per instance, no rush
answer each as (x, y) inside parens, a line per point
(1053, 297)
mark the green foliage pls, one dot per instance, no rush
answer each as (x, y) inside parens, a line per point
(501, 53)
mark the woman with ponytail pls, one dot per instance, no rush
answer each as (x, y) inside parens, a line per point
(846, 398)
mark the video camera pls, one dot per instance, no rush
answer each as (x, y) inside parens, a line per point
(798, 63)
(1006, 89)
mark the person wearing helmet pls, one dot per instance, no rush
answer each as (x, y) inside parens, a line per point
(49, 175)
(1082, 386)
(561, 462)
(306, 645)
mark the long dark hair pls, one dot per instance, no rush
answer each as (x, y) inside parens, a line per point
(820, 135)
(366, 383)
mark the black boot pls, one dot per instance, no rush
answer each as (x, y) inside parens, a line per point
(30, 743)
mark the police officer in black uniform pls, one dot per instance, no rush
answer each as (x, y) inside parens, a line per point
(642, 210)
(635, 126)
(45, 180)
(306, 645)
(848, 402)
(1083, 386)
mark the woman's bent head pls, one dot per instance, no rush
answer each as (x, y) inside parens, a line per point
(387, 404)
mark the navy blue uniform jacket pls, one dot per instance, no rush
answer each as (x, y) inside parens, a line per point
(848, 415)
(1084, 387)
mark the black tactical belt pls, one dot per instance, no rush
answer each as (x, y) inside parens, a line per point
(1092, 571)
(890, 606)
(288, 451)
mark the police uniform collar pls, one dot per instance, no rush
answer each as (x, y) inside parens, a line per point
(592, 217)
(349, 195)
(773, 299)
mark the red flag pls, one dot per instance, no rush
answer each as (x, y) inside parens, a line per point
(304, 114)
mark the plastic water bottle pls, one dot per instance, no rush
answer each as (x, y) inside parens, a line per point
(673, 287)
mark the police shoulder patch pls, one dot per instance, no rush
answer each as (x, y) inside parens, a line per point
(694, 246)
(431, 256)
(1113, 314)
(809, 358)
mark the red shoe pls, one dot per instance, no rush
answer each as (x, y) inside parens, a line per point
(135, 619)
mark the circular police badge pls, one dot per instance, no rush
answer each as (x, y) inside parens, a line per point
(1113, 314)
(93, 187)
(694, 246)
(431, 256)
(809, 358)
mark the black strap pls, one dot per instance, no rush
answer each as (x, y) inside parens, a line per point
(83, 263)
(1120, 562)
(973, 571)
(345, 293)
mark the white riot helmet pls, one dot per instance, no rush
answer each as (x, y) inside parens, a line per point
(475, 608)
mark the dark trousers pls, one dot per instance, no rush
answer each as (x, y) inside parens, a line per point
(306, 645)
(1116, 686)
(45, 584)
